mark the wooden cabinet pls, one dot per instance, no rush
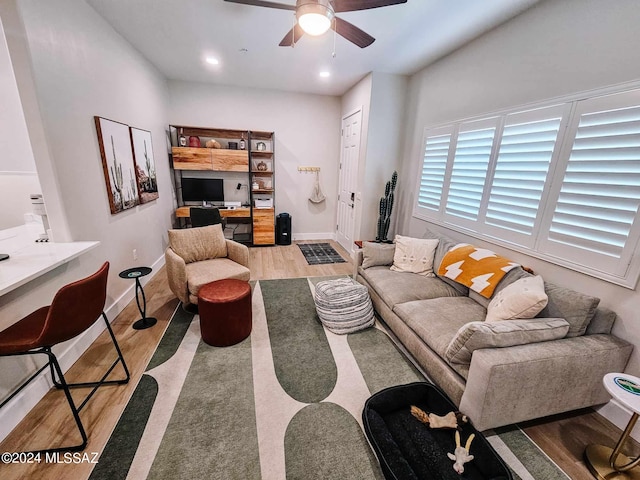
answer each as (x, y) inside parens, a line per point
(264, 232)
(220, 150)
(220, 160)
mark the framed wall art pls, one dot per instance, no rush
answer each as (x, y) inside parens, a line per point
(145, 164)
(118, 165)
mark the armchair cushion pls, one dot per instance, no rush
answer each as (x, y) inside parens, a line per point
(206, 271)
(200, 243)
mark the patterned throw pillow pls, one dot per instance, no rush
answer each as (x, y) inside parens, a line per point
(414, 255)
(524, 298)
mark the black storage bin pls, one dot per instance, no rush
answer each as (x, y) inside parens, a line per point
(283, 229)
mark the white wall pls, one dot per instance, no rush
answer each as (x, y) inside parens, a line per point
(18, 176)
(554, 49)
(384, 148)
(15, 189)
(381, 97)
(80, 68)
(307, 133)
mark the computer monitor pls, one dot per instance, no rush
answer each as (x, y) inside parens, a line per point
(202, 189)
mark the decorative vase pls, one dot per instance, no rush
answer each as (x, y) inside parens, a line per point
(194, 141)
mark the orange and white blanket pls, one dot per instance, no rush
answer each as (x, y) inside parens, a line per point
(478, 268)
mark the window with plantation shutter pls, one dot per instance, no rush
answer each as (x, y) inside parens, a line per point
(526, 149)
(469, 169)
(434, 165)
(559, 182)
(598, 199)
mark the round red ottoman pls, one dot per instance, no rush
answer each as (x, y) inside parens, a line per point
(225, 312)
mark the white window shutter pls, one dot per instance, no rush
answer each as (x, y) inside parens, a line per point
(431, 179)
(597, 202)
(469, 171)
(527, 146)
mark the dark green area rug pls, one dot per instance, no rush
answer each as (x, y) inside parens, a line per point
(285, 403)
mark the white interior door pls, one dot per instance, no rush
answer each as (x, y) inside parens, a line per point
(350, 153)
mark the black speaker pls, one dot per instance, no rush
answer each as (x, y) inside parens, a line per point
(283, 229)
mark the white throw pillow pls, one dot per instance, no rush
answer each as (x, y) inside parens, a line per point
(414, 255)
(524, 298)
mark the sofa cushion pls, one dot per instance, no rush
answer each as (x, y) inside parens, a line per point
(395, 287)
(444, 244)
(476, 335)
(414, 255)
(377, 254)
(577, 308)
(436, 321)
(602, 321)
(522, 299)
(200, 243)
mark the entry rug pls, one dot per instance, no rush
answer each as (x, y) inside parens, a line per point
(320, 253)
(286, 403)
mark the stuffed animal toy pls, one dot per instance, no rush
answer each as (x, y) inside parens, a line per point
(450, 420)
(460, 455)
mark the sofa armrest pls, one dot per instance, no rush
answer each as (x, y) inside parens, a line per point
(177, 275)
(357, 261)
(514, 384)
(238, 252)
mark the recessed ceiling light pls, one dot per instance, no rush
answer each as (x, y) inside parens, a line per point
(325, 74)
(212, 61)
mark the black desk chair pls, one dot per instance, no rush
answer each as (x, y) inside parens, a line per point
(73, 310)
(204, 216)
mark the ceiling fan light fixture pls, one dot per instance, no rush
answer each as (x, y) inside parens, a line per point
(314, 18)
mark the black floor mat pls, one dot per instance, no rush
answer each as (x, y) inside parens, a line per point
(320, 253)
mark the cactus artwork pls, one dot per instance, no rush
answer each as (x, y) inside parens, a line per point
(118, 164)
(386, 207)
(145, 170)
(116, 176)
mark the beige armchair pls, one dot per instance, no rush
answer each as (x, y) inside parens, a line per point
(197, 256)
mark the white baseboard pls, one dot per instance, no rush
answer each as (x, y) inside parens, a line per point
(314, 236)
(18, 408)
(619, 416)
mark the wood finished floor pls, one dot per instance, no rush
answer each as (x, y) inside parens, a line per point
(49, 424)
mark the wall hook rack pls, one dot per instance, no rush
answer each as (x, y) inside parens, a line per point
(308, 169)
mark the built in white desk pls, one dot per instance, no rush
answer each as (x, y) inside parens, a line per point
(30, 259)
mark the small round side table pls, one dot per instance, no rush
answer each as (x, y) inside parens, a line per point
(137, 272)
(610, 464)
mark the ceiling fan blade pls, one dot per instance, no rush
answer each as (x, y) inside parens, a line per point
(352, 33)
(292, 36)
(353, 5)
(262, 3)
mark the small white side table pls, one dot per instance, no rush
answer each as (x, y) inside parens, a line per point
(610, 464)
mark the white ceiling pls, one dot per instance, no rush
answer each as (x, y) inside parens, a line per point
(177, 35)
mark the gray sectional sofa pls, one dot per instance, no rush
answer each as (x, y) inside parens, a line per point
(499, 373)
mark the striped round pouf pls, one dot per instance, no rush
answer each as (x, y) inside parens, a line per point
(343, 305)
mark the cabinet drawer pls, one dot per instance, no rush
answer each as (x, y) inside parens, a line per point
(230, 160)
(264, 232)
(186, 158)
